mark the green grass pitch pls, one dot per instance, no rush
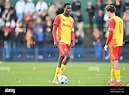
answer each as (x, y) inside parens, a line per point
(42, 73)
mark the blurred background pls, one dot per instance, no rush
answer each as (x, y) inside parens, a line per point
(26, 29)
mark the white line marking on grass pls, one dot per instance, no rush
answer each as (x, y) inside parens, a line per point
(3, 68)
(93, 68)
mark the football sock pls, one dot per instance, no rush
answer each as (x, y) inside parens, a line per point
(62, 69)
(112, 74)
(117, 75)
(57, 72)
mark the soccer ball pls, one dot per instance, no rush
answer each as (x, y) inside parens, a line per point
(62, 79)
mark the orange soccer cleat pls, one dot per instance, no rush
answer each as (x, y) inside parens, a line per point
(118, 83)
(111, 83)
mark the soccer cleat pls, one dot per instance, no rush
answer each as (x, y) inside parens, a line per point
(111, 83)
(118, 83)
(55, 82)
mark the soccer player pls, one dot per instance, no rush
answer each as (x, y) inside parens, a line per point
(64, 39)
(114, 42)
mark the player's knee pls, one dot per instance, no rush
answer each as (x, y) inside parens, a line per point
(67, 56)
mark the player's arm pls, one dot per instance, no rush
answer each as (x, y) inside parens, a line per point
(72, 36)
(110, 30)
(55, 26)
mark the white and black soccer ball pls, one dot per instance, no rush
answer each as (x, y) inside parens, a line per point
(62, 79)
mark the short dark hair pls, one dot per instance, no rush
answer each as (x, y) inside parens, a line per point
(110, 8)
(66, 4)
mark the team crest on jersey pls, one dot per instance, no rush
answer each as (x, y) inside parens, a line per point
(65, 49)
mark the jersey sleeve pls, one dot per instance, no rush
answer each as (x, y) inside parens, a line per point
(111, 25)
(72, 27)
(55, 26)
(111, 29)
(72, 33)
(57, 20)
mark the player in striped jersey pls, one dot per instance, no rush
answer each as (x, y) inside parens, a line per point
(64, 39)
(114, 42)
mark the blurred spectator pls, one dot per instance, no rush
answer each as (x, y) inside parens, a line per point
(109, 2)
(39, 34)
(39, 31)
(7, 29)
(52, 11)
(1, 10)
(126, 6)
(126, 18)
(8, 4)
(18, 37)
(77, 51)
(99, 6)
(118, 5)
(76, 5)
(29, 38)
(60, 8)
(34, 16)
(19, 7)
(1, 23)
(27, 18)
(80, 23)
(91, 12)
(97, 43)
(29, 7)
(41, 6)
(48, 39)
(6, 15)
(1, 32)
(100, 21)
(43, 16)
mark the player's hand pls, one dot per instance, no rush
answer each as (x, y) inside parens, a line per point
(105, 47)
(56, 44)
(72, 44)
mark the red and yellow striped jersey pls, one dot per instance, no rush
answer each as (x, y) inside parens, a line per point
(65, 27)
(116, 24)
